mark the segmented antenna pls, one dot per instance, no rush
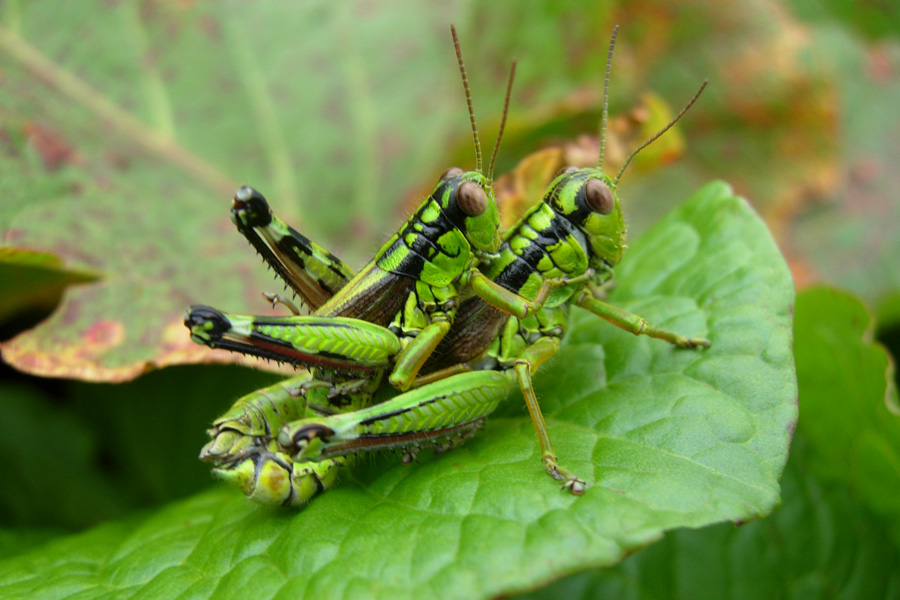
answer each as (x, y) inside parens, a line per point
(465, 80)
(612, 44)
(512, 76)
(660, 132)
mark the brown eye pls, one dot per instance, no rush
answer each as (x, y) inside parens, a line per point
(471, 198)
(452, 172)
(599, 196)
(565, 170)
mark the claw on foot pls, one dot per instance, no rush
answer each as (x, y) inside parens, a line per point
(694, 343)
(571, 482)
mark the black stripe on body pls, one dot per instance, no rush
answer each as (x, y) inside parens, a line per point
(452, 212)
(423, 248)
(583, 210)
(516, 273)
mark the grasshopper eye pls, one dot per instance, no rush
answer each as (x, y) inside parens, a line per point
(565, 170)
(452, 172)
(471, 198)
(599, 197)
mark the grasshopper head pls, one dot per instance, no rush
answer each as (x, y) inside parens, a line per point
(587, 199)
(468, 201)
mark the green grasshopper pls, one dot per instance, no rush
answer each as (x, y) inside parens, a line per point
(576, 235)
(516, 349)
(570, 237)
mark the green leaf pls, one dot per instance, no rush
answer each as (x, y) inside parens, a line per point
(667, 438)
(18, 541)
(829, 539)
(848, 398)
(822, 543)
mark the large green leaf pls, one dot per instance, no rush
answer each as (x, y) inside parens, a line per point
(667, 438)
(832, 536)
(821, 544)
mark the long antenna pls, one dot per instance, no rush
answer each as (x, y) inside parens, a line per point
(612, 44)
(660, 132)
(512, 76)
(465, 80)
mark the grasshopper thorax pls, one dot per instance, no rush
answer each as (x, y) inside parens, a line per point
(586, 199)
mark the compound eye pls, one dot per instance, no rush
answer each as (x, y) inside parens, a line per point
(452, 172)
(565, 171)
(471, 198)
(599, 196)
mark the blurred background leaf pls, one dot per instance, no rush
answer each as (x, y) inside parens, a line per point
(127, 126)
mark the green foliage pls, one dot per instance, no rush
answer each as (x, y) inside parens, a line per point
(671, 438)
(337, 111)
(851, 414)
(822, 543)
(832, 536)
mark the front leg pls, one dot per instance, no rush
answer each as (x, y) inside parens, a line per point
(421, 325)
(255, 419)
(634, 323)
(512, 303)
